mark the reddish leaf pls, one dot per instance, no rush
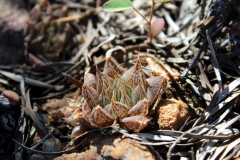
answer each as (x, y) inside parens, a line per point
(157, 26)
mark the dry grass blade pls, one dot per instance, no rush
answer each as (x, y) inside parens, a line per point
(230, 147)
(206, 86)
(71, 18)
(178, 141)
(213, 144)
(155, 143)
(156, 137)
(111, 37)
(203, 155)
(48, 153)
(218, 151)
(89, 41)
(73, 80)
(28, 110)
(192, 135)
(194, 60)
(110, 51)
(234, 84)
(30, 81)
(219, 116)
(228, 124)
(234, 154)
(215, 62)
(218, 107)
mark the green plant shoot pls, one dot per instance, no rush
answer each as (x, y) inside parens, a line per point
(120, 5)
(117, 5)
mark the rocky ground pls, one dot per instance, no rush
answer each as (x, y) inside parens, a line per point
(195, 114)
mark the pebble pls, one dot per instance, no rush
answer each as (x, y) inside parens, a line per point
(4, 103)
(11, 95)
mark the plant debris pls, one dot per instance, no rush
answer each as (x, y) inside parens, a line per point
(50, 45)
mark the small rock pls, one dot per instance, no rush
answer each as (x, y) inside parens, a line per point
(12, 96)
(126, 149)
(7, 122)
(37, 157)
(89, 154)
(4, 103)
(172, 114)
(51, 145)
(115, 146)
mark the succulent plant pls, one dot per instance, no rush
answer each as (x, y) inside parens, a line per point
(47, 37)
(125, 95)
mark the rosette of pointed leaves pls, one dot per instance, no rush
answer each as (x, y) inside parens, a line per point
(120, 94)
(44, 35)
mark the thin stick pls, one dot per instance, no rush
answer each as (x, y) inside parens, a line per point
(150, 20)
(141, 15)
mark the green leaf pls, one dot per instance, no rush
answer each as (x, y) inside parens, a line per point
(117, 5)
(166, 0)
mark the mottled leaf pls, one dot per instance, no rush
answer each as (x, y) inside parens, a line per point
(111, 66)
(90, 80)
(101, 117)
(121, 84)
(125, 99)
(157, 86)
(135, 123)
(118, 109)
(104, 98)
(86, 111)
(138, 93)
(103, 80)
(90, 95)
(141, 108)
(135, 75)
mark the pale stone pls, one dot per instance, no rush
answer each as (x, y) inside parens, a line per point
(172, 114)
